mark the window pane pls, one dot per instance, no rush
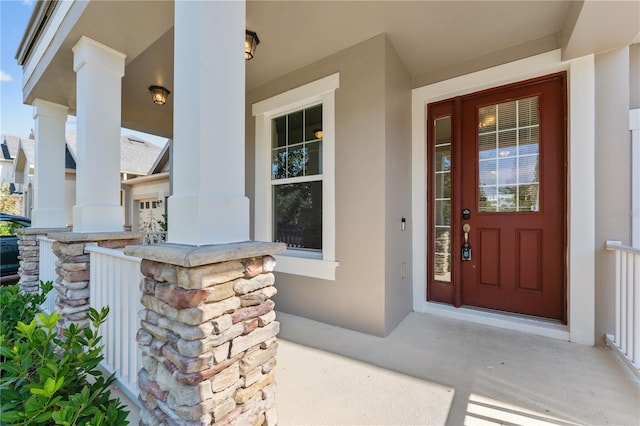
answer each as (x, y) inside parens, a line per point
(279, 131)
(487, 119)
(487, 199)
(528, 196)
(442, 254)
(487, 145)
(488, 172)
(443, 158)
(295, 161)
(443, 212)
(443, 130)
(443, 185)
(297, 214)
(279, 163)
(314, 158)
(295, 128)
(528, 169)
(313, 123)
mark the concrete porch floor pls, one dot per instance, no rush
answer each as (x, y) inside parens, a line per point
(434, 371)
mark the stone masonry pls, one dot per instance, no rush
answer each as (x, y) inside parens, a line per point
(208, 334)
(73, 269)
(28, 245)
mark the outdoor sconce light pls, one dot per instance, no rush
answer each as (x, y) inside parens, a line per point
(251, 40)
(159, 94)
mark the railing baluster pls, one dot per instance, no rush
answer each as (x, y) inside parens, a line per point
(623, 304)
(114, 282)
(636, 311)
(47, 267)
(626, 341)
(630, 305)
(618, 296)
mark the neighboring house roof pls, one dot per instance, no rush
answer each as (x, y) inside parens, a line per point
(136, 155)
(27, 147)
(162, 161)
(69, 160)
(9, 146)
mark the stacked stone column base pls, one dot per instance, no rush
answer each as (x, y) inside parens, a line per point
(29, 248)
(73, 270)
(208, 334)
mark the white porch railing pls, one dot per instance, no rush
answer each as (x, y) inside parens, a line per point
(47, 267)
(115, 280)
(626, 339)
(154, 237)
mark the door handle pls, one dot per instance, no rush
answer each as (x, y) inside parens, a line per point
(466, 247)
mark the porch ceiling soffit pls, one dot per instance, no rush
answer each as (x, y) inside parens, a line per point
(597, 26)
(433, 39)
(129, 27)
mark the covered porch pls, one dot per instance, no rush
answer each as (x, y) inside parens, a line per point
(366, 271)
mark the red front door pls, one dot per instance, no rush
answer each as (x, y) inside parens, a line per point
(500, 176)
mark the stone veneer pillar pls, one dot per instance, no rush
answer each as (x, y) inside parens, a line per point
(29, 247)
(208, 334)
(73, 269)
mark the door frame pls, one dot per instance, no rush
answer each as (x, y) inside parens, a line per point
(580, 200)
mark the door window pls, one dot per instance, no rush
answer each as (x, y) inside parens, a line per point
(509, 156)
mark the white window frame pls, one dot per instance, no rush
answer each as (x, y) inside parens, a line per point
(299, 262)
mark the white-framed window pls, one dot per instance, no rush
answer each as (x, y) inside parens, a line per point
(295, 177)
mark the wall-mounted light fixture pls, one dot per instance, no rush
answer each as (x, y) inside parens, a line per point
(318, 133)
(251, 40)
(159, 94)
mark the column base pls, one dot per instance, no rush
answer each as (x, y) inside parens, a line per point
(207, 218)
(98, 218)
(49, 218)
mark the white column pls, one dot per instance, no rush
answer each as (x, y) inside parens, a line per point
(99, 72)
(49, 204)
(208, 205)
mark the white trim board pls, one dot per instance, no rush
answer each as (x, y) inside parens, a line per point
(581, 182)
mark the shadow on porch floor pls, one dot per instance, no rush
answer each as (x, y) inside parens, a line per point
(433, 370)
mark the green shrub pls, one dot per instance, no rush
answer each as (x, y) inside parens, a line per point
(18, 306)
(49, 380)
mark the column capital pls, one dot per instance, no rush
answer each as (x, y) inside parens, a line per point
(42, 108)
(88, 51)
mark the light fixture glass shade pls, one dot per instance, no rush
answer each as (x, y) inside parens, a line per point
(159, 94)
(251, 40)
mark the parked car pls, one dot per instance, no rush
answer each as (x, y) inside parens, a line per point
(9, 225)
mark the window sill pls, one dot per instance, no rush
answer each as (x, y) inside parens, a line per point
(291, 262)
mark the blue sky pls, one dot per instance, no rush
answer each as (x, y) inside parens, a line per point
(15, 117)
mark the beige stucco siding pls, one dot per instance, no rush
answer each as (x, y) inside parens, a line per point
(398, 275)
(612, 177)
(634, 76)
(365, 107)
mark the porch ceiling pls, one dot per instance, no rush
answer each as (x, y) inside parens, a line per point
(429, 37)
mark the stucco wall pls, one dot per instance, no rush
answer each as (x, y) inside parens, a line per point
(612, 176)
(357, 299)
(634, 76)
(398, 269)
